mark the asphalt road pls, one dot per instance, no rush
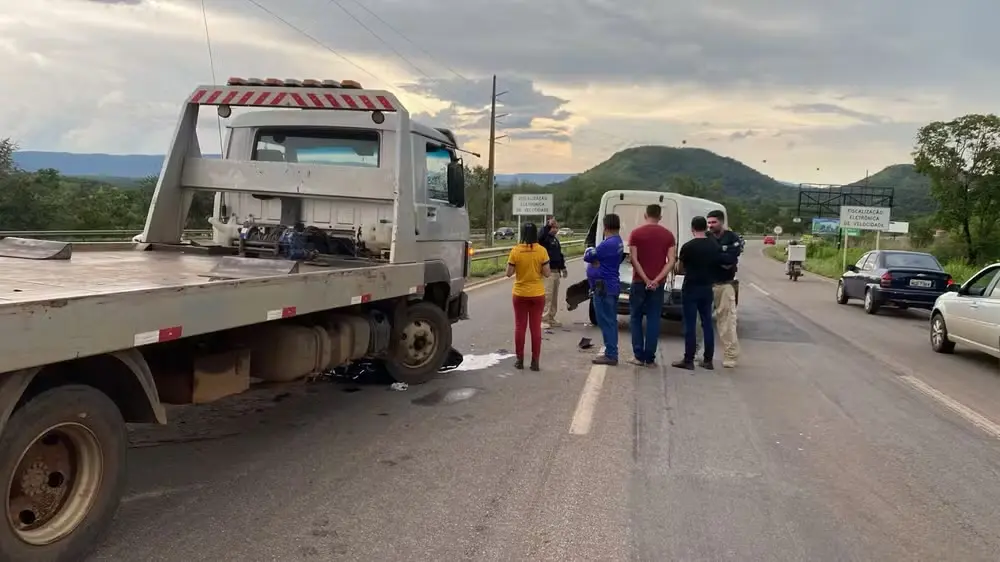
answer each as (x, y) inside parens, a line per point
(840, 436)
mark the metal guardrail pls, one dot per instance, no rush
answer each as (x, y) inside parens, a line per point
(483, 254)
(126, 235)
(118, 235)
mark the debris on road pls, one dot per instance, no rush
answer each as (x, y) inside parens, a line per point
(399, 386)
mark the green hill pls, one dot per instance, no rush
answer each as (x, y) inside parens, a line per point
(912, 193)
(654, 167)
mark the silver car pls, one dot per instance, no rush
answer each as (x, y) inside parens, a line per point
(969, 314)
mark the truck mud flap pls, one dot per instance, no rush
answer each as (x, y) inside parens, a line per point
(235, 267)
(31, 249)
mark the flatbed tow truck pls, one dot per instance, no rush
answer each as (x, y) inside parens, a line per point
(341, 233)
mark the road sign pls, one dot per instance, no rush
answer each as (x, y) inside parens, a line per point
(778, 231)
(537, 205)
(852, 231)
(825, 226)
(865, 218)
(899, 227)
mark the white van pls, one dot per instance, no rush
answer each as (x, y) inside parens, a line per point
(630, 206)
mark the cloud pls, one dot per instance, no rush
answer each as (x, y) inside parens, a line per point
(787, 78)
(520, 105)
(833, 109)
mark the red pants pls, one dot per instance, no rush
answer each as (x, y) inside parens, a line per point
(528, 314)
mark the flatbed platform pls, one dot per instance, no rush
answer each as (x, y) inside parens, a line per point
(107, 272)
(105, 301)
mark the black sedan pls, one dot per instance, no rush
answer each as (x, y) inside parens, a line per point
(895, 278)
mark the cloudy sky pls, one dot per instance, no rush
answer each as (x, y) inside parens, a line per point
(821, 90)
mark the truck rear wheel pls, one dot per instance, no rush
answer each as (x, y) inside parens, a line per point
(62, 456)
(423, 344)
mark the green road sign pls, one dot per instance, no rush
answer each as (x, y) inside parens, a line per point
(852, 231)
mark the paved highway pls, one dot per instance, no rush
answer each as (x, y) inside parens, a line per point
(839, 437)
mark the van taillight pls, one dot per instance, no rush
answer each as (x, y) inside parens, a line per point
(886, 279)
(950, 282)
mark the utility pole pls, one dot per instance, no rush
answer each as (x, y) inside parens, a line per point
(492, 161)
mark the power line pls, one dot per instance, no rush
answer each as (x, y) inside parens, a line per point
(377, 36)
(317, 41)
(627, 141)
(410, 41)
(211, 66)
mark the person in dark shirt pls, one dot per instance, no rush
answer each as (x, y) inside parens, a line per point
(549, 240)
(700, 259)
(608, 256)
(724, 289)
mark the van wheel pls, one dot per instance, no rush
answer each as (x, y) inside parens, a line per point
(423, 344)
(62, 455)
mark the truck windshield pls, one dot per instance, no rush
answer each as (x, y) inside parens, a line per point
(336, 147)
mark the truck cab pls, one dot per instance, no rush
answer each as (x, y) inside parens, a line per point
(357, 211)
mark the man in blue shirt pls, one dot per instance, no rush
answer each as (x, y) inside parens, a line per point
(603, 263)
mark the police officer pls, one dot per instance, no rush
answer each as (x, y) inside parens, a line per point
(724, 287)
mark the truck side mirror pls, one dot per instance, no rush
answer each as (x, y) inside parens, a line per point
(456, 184)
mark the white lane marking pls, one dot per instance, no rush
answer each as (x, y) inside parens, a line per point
(757, 287)
(583, 417)
(970, 415)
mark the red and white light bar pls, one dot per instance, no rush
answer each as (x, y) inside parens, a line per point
(304, 94)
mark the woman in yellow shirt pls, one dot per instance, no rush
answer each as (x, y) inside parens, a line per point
(530, 263)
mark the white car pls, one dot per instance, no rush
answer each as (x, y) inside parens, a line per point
(969, 315)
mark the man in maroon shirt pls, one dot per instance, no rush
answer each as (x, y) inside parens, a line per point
(652, 249)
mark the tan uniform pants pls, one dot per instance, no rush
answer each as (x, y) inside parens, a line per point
(551, 297)
(724, 314)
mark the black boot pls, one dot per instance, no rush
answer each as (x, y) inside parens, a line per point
(519, 363)
(534, 365)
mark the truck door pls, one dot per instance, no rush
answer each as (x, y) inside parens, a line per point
(442, 228)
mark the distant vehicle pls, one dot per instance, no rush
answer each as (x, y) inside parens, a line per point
(505, 233)
(564, 232)
(769, 240)
(896, 278)
(969, 314)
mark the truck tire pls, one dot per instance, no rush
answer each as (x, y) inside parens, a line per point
(423, 344)
(62, 455)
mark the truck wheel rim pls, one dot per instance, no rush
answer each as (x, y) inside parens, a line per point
(419, 343)
(55, 484)
(840, 290)
(868, 299)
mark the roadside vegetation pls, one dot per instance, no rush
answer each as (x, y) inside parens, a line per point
(823, 257)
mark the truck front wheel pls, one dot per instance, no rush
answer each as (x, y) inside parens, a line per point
(423, 344)
(62, 456)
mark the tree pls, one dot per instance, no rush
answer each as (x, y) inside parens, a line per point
(962, 159)
(7, 150)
